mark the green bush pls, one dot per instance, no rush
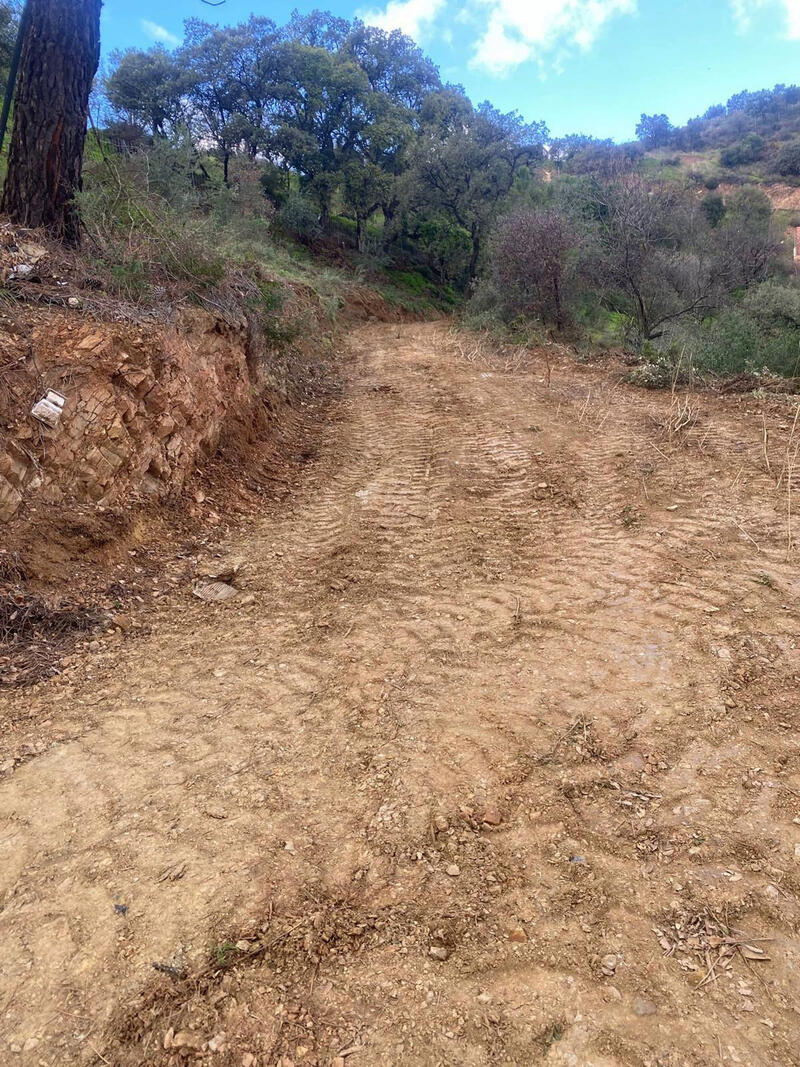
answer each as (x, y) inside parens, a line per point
(729, 344)
(759, 335)
(787, 161)
(299, 216)
(749, 150)
(713, 207)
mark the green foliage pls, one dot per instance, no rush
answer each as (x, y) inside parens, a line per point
(758, 334)
(713, 208)
(749, 150)
(9, 21)
(144, 238)
(654, 130)
(787, 161)
(298, 216)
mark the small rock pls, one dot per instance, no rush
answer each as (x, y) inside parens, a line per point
(492, 816)
(217, 1042)
(187, 1039)
(441, 823)
(168, 1036)
(338, 1061)
(453, 870)
(213, 811)
(517, 934)
(439, 952)
(612, 993)
(222, 572)
(644, 1007)
(608, 964)
(248, 1059)
(75, 302)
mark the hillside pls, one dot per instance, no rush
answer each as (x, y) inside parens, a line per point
(753, 138)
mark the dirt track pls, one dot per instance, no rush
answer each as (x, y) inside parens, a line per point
(513, 714)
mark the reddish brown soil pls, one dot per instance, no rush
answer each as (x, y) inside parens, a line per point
(494, 759)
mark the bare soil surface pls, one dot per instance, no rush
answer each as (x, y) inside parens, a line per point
(493, 760)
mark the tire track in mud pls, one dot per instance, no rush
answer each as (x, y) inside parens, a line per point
(478, 601)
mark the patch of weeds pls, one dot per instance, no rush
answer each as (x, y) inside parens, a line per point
(224, 954)
(552, 1034)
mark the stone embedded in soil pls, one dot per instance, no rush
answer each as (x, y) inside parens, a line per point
(517, 934)
(608, 964)
(187, 1039)
(491, 816)
(439, 952)
(453, 870)
(441, 823)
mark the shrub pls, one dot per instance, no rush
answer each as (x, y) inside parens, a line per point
(749, 150)
(528, 261)
(787, 161)
(142, 238)
(713, 208)
(299, 216)
(729, 344)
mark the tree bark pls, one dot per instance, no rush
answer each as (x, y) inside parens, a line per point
(60, 54)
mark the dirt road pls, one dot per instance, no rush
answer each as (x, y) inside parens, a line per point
(500, 764)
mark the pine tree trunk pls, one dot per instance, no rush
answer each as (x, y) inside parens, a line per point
(60, 54)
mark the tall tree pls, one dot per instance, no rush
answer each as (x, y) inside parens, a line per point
(60, 54)
(146, 87)
(467, 158)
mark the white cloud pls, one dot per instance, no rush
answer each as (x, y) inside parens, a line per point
(159, 33)
(413, 17)
(520, 30)
(743, 11)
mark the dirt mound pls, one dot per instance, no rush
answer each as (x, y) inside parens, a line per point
(367, 305)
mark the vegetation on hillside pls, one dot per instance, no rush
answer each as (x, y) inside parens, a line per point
(331, 142)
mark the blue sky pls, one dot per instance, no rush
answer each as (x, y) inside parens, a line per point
(589, 66)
